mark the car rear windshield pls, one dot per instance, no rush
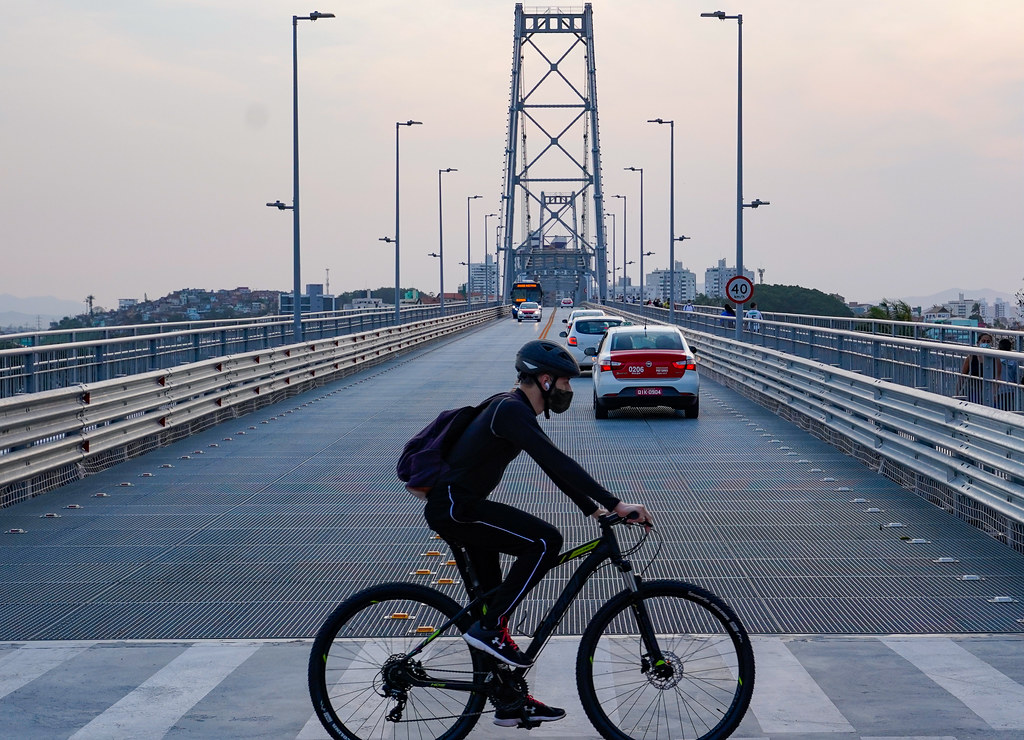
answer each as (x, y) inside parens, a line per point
(592, 326)
(640, 340)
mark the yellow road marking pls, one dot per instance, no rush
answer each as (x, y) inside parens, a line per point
(547, 327)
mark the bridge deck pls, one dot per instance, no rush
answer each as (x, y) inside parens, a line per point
(257, 528)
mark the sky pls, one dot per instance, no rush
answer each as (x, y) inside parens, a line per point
(141, 139)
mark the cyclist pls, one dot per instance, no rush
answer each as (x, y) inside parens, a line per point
(458, 508)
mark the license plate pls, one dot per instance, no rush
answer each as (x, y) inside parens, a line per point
(648, 391)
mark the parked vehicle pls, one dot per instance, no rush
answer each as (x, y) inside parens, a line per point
(644, 366)
(587, 333)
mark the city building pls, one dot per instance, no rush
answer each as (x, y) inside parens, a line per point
(484, 276)
(715, 279)
(314, 300)
(658, 282)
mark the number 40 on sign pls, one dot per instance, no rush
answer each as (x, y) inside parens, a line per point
(739, 288)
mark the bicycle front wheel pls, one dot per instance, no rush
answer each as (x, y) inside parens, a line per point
(700, 687)
(361, 677)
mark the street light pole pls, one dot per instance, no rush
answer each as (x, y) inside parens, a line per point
(614, 247)
(641, 171)
(497, 256)
(739, 148)
(487, 216)
(398, 283)
(671, 217)
(296, 274)
(469, 261)
(625, 239)
(440, 230)
(740, 205)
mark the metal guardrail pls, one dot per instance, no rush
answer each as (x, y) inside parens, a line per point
(962, 456)
(923, 363)
(52, 437)
(59, 359)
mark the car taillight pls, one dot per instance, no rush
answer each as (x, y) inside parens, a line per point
(607, 366)
(572, 341)
(686, 364)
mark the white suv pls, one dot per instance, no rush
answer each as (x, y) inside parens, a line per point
(587, 331)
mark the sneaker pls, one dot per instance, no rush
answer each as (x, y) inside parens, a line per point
(497, 642)
(533, 710)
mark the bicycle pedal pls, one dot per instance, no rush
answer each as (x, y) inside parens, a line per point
(528, 724)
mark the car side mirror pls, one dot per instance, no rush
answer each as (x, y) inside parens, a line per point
(563, 333)
(590, 351)
(565, 321)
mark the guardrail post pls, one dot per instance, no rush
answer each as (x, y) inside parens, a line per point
(153, 356)
(195, 348)
(101, 368)
(30, 372)
(923, 369)
(876, 360)
(224, 342)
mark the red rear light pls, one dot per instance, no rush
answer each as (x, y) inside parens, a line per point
(608, 365)
(572, 341)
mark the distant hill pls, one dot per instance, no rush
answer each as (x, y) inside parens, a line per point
(953, 294)
(43, 305)
(16, 321)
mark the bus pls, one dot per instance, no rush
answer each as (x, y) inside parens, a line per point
(527, 291)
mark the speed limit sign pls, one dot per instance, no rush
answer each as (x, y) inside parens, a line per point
(740, 289)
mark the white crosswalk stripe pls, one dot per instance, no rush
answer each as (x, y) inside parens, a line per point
(787, 700)
(988, 693)
(29, 662)
(152, 709)
(780, 677)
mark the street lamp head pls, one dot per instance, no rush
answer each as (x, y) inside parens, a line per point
(473, 197)
(387, 239)
(448, 169)
(757, 202)
(433, 254)
(409, 123)
(279, 205)
(646, 254)
(317, 14)
(720, 14)
(619, 196)
(634, 169)
(682, 238)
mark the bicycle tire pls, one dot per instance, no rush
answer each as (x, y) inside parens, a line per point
(708, 689)
(347, 662)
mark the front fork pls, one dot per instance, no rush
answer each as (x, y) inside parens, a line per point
(652, 659)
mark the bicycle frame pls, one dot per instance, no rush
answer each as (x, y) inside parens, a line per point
(606, 547)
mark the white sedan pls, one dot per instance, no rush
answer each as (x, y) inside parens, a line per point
(644, 366)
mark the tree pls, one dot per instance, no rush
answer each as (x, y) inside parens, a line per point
(794, 299)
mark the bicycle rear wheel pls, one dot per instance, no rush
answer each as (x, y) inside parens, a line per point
(701, 690)
(358, 669)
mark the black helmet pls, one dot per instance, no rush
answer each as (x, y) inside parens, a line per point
(543, 356)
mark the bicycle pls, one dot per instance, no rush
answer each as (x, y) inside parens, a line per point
(662, 658)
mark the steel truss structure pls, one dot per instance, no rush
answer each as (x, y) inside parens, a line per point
(553, 157)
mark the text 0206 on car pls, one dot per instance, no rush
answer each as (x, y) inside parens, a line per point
(644, 366)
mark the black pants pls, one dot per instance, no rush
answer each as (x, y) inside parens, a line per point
(487, 529)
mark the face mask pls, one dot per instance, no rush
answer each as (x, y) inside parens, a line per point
(559, 400)
(985, 345)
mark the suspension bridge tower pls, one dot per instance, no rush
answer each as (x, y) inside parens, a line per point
(552, 210)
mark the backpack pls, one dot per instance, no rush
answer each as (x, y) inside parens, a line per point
(422, 462)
